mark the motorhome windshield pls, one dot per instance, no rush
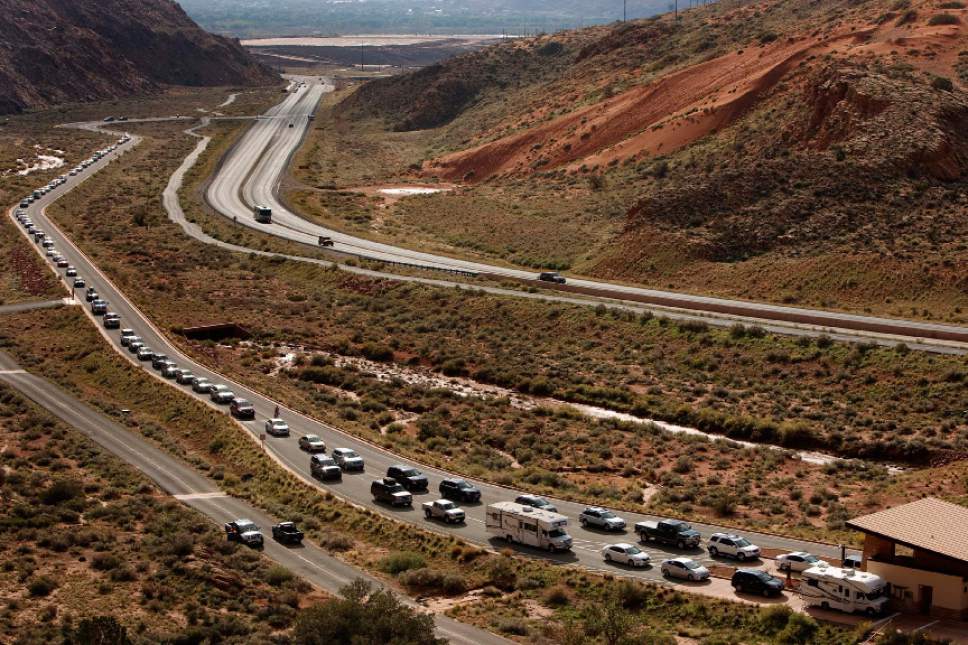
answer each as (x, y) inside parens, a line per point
(556, 533)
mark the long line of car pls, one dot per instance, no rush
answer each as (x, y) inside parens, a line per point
(529, 520)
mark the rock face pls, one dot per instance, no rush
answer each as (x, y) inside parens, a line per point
(57, 51)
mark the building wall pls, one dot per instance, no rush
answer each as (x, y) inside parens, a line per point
(949, 592)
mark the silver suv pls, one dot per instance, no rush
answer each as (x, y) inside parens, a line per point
(732, 546)
(600, 518)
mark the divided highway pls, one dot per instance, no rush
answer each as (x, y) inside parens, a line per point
(183, 482)
(251, 173)
(356, 487)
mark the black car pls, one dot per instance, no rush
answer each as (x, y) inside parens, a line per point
(389, 491)
(287, 533)
(324, 468)
(459, 490)
(408, 476)
(754, 581)
(555, 278)
(159, 361)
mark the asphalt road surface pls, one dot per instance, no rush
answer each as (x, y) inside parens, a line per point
(250, 175)
(356, 487)
(185, 484)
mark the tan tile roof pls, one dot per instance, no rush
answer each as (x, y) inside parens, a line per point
(930, 524)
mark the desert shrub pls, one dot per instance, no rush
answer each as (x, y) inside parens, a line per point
(943, 84)
(62, 490)
(278, 575)
(103, 630)
(513, 626)
(336, 542)
(957, 4)
(631, 595)
(105, 562)
(397, 563)
(944, 19)
(363, 616)
(40, 586)
(428, 579)
(502, 574)
(557, 596)
(800, 629)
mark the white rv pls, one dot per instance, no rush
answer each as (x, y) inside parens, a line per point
(528, 525)
(846, 590)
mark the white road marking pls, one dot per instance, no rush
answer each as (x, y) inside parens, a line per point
(192, 496)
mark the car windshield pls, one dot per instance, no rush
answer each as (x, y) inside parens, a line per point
(811, 558)
(349, 454)
(395, 487)
(409, 472)
(245, 527)
(446, 505)
(279, 424)
(326, 461)
(633, 550)
(763, 575)
(742, 542)
(691, 564)
(313, 439)
(607, 515)
(464, 485)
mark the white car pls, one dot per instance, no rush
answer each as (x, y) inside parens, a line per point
(732, 546)
(277, 428)
(684, 569)
(798, 561)
(627, 554)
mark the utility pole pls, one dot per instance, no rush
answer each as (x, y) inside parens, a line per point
(625, 10)
(362, 53)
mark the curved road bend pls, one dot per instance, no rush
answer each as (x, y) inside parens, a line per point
(355, 487)
(251, 173)
(183, 482)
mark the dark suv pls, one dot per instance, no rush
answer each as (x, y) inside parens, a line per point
(754, 581)
(389, 491)
(459, 490)
(411, 478)
(553, 277)
(324, 468)
(242, 409)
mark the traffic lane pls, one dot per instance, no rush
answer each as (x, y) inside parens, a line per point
(166, 471)
(188, 486)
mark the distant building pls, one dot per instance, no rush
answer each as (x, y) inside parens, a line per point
(921, 550)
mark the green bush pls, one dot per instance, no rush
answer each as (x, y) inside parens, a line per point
(944, 19)
(942, 83)
(278, 575)
(397, 563)
(433, 580)
(62, 490)
(41, 586)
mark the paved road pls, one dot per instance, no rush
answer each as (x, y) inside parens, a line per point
(180, 480)
(355, 487)
(252, 171)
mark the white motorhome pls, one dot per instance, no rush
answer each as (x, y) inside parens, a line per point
(527, 525)
(846, 590)
(263, 214)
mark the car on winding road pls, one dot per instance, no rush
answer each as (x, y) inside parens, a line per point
(323, 467)
(244, 531)
(276, 428)
(221, 395)
(600, 518)
(348, 460)
(312, 443)
(536, 501)
(444, 509)
(389, 491)
(460, 491)
(627, 554)
(684, 569)
(242, 409)
(732, 546)
(202, 386)
(409, 477)
(287, 533)
(798, 561)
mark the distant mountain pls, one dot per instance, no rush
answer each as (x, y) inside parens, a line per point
(253, 18)
(57, 51)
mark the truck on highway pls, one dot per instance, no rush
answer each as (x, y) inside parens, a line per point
(443, 509)
(844, 589)
(517, 523)
(671, 532)
(263, 214)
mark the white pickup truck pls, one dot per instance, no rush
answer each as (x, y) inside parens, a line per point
(443, 509)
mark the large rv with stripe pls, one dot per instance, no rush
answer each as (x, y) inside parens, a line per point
(844, 589)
